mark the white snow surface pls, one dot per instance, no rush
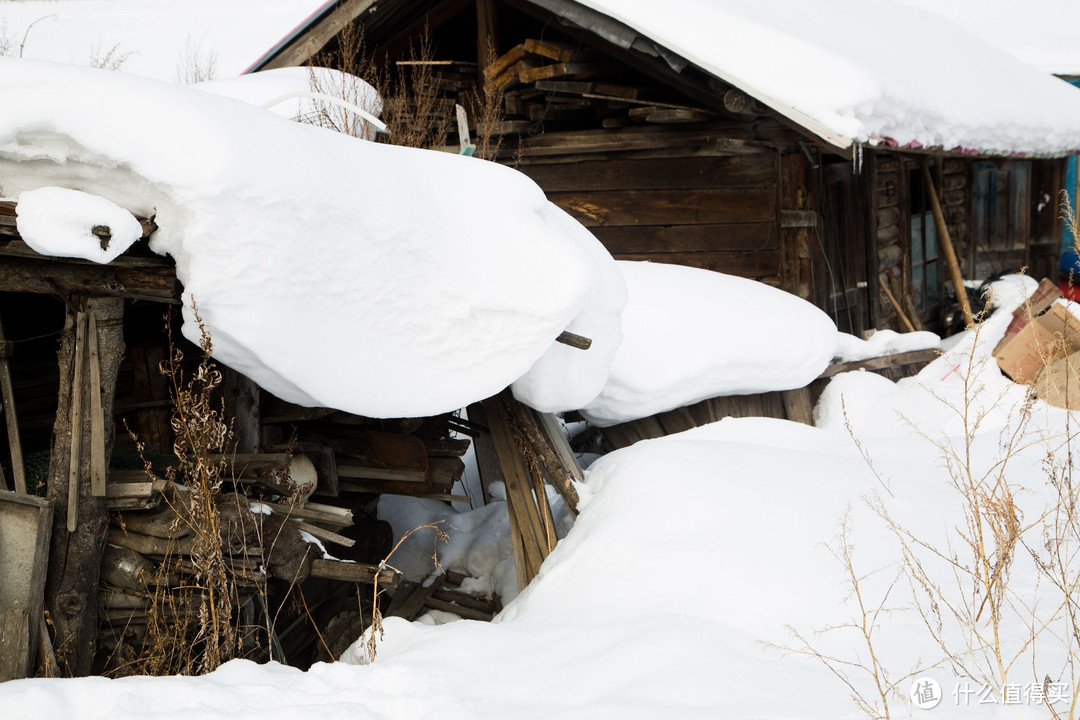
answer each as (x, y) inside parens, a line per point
(1039, 32)
(332, 271)
(883, 342)
(693, 561)
(868, 71)
(691, 334)
(58, 221)
(161, 38)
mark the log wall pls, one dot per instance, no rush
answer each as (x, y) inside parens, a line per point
(718, 213)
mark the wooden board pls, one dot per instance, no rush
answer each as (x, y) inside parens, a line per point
(659, 173)
(712, 237)
(757, 265)
(25, 530)
(668, 207)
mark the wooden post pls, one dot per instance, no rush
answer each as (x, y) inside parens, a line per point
(242, 407)
(486, 44)
(947, 248)
(18, 469)
(71, 593)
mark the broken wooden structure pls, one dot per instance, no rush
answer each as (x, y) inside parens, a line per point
(90, 457)
(665, 161)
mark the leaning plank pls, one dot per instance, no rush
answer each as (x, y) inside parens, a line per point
(18, 470)
(75, 459)
(354, 572)
(884, 362)
(466, 613)
(325, 535)
(413, 601)
(97, 415)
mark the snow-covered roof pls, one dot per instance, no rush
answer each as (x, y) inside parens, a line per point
(160, 38)
(867, 71)
(1039, 32)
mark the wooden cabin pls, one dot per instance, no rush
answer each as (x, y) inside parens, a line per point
(666, 161)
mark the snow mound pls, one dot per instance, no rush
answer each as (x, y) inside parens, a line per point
(58, 221)
(332, 271)
(691, 334)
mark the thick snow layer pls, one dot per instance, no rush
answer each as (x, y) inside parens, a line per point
(695, 560)
(158, 38)
(58, 221)
(883, 342)
(691, 334)
(869, 71)
(568, 378)
(287, 92)
(1039, 32)
(332, 271)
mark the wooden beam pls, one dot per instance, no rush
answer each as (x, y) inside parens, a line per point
(487, 42)
(75, 557)
(49, 276)
(309, 44)
(354, 572)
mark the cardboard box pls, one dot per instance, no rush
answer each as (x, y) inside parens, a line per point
(1046, 339)
(1059, 383)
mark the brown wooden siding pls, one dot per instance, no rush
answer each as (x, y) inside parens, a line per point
(718, 213)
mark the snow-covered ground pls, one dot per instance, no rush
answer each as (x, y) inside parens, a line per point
(701, 570)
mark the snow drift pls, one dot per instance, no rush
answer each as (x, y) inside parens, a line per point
(298, 243)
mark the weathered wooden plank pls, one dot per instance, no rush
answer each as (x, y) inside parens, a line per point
(354, 572)
(713, 237)
(757, 265)
(52, 277)
(18, 469)
(75, 457)
(737, 171)
(716, 137)
(413, 597)
(668, 207)
(98, 463)
(25, 526)
(882, 363)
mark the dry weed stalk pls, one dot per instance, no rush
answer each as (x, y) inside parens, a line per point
(415, 113)
(111, 59)
(376, 616)
(359, 79)
(196, 64)
(485, 107)
(863, 623)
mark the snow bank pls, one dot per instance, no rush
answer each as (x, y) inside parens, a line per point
(851, 71)
(691, 334)
(332, 271)
(58, 221)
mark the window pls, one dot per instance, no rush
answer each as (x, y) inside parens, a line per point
(923, 241)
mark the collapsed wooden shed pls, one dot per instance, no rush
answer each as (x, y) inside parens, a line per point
(95, 460)
(666, 161)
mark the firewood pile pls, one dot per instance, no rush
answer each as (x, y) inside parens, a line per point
(320, 483)
(545, 85)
